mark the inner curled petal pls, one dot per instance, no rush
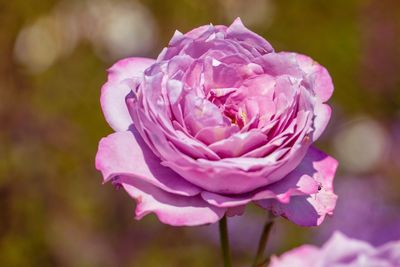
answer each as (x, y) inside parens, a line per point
(200, 113)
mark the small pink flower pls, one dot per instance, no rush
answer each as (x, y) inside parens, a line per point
(217, 121)
(341, 251)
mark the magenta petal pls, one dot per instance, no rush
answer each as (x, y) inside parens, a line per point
(172, 209)
(125, 157)
(123, 76)
(309, 210)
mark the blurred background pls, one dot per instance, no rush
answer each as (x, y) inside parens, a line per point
(54, 211)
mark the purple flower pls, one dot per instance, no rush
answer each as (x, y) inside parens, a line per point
(341, 251)
(219, 120)
(354, 209)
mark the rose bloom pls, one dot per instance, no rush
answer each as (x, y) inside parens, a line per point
(341, 251)
(217, 121)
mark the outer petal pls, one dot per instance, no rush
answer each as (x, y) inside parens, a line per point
(197, 32)
(340, 250)
(172, 209)
(283, 190)
(309, 210)
(239, 32)
(323, 88)
(289, 62)
(226, 177)
(322, 81)
(304, 256)
(281, 63)
(123, 76)
(322, 116)
(390, 251)
(125, 157)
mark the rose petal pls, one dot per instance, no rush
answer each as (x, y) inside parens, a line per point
(309, 210)
(226, 176)
(281, 63)
(126, 154)
(323, 86)
(209, 135)
(322, 116)
(282, 191)
(238, 144)
(340, 247)
(205, 31)
(293, 184)
(340, 250)
(217, 179)
(390, 251)
(239, 32)
(123, 76)
(171, 209)
(200, 113)
(304, 256)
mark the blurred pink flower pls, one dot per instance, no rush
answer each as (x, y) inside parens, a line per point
(354, 209)
(217, 121)
(341, 251)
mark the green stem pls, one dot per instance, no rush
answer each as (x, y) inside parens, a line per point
(259, 260)
(223, 233)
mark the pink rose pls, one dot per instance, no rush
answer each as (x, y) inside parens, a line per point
(341, 251)
(217, 121)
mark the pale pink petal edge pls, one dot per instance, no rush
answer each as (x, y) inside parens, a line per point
(124, 156)
(172, 209)
(123, 76)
